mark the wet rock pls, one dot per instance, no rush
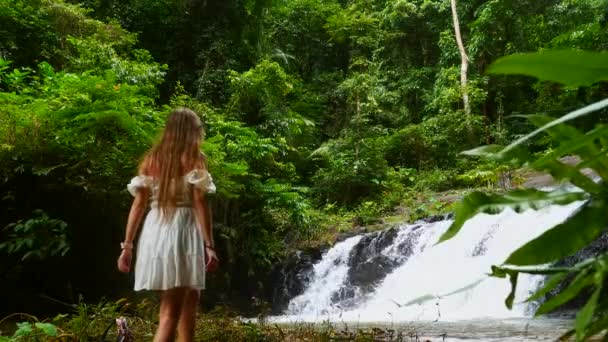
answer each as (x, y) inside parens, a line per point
(367, 265)
(437, 218)
(345, 297)
(406, 247)
(289, 279)
(368, 274)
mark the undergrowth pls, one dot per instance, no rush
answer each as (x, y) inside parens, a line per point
(96, 323)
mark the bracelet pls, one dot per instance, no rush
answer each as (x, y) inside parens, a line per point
(126, 245)
(210, 247)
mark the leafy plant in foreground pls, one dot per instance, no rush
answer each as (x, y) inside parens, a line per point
(27, 331)
(572, 68)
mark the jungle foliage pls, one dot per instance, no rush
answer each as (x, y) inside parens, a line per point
(312, 109)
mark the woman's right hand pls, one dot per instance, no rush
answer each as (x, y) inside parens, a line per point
(124, 260)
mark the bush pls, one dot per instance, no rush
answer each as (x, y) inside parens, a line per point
(353, 170)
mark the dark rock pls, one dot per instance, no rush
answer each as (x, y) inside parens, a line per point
(344, 296)
(369, 273)
(289, 279)
(406, 247)
(367, 265)
(437, 218)
(371, 245)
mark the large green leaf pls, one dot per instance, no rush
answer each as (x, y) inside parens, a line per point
(585, 315)
(519, 200)
(564, 239)
(598, 326)
(561, 171)
(48, 328)
(582, 281)
(570, 116)
(516, 157)
(573, 142)
(23, 329)
(569, 67)
(500, 272)
(513, 279)
(549, 285)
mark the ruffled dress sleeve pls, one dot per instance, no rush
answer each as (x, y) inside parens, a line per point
(139, 182)
(201, 179)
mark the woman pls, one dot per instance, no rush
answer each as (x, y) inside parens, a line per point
(176, 246)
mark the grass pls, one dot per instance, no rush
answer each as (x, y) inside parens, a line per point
(90, 323)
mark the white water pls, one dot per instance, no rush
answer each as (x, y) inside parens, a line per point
(329, 275)
(435, 270)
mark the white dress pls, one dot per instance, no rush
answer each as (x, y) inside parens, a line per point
(171, 253)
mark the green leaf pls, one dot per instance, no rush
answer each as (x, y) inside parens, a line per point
(574, 142)
(23, 329)
(561, 171)
(519, 200)
(570, 116)
(484, 151)
(48, 328)
(549, 285)
(585, 315)
(516, 157)
(564, 239)
(582, 281)
(568, 67)
(502, 271)
(598, 326)
(513, 279)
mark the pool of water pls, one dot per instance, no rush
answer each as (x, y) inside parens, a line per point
(478, 330)
(493, 330)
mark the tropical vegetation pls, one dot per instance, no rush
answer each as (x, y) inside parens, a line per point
(320, 115)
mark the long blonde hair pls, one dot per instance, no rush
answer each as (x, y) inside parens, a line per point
(176, 153)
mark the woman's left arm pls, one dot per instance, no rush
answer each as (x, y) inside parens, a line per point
(138, 209)
(203, 216)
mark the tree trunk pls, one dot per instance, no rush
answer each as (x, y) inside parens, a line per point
(464, 67)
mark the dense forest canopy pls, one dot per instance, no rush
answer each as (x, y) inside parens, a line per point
(312, 108)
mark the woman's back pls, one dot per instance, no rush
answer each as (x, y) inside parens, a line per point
(175, 247)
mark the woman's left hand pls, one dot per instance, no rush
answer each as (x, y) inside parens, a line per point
(124, 261)
(212, 260)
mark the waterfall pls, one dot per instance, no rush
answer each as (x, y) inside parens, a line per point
(369, 277)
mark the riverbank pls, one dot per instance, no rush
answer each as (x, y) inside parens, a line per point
(219, 325)
(414, 205)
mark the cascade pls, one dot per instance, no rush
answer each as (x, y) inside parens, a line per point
(370, 277)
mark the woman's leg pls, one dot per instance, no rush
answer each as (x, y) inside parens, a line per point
(187, 318)
(170, 308)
